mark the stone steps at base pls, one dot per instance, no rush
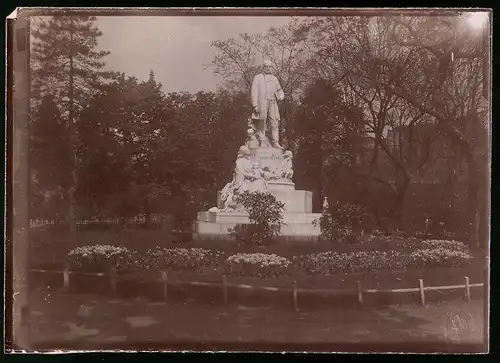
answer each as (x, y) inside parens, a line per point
(242, 217)
(223, 237)
(221, 228)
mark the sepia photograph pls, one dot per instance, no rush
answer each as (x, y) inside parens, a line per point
(248, 180)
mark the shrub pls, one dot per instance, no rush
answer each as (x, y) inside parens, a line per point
(439, 257)
(341, 222)
(410, 242)
(198, 259)
(257, 265)
(329, 263)
(102, 257)
(446, 244)
(265, 216)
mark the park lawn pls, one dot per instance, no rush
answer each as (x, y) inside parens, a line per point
(51, 247)
(49, 250)
(69, 321)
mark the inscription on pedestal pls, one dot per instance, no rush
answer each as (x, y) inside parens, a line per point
(269, 157)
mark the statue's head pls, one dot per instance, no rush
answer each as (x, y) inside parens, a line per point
(267, 66)
(288, 154)
(250, 132)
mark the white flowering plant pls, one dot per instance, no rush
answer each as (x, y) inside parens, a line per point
(439, 257)
(198, 259)
(329, 263)
(446, 244)
(260, 265)
(102, 257)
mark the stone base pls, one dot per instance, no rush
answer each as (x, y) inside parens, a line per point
(216, 224)
(296, 201)
(297, 216)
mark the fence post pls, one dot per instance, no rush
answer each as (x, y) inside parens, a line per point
(295, 297)
(360, 293)
(112, 280)
(164, 277)
(66, 278)
(224, 288)
(467, 288)
(422, 294)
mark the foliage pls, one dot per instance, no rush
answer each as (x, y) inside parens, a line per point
(156, 153)
(341, 222)
(444, 244)
(436, 257)
(102, 258)
(65, 60)
(197, 259)
(412, 74)
(48, 147)
(329, 263)
(265, 216)
(65, 63)
(328, 135)
(449, 254)
(432, 253)
(257, 265)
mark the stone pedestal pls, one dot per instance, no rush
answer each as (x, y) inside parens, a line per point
(267, 157)
(298, 216)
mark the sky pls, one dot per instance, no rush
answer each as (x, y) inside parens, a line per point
(176, 48)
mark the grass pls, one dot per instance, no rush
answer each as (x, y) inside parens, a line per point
(68, 321)
(55, 244)
(49, 249)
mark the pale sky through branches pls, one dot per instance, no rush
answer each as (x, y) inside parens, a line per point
(175, 47)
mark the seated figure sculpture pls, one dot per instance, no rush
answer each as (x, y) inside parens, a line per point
(285, 171)
(246, 177)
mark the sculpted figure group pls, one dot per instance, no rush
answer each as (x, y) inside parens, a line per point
(249, 176)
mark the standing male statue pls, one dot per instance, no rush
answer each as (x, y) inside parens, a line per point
(266, 91)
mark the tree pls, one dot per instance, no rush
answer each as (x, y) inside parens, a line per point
(238, 60)
(50, 153)
(67, 63)
(124, 133)
(422, 64)
(146, 152)
(329, 136)
(449, 89)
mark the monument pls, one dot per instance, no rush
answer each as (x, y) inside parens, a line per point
(262, 165)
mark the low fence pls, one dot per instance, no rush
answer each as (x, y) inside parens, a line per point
(359, 291)
(37, 223)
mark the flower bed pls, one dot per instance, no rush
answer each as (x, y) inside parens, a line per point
(257, 265)
(444, 244)
(439, 257)
(329, 263)
(430, 253)
(101, 258)
(198, 259)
